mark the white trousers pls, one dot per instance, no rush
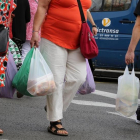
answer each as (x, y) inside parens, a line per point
(66, 65)
(25, 49)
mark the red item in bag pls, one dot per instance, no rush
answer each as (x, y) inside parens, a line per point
(88, 46)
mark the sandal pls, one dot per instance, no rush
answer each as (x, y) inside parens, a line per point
(1, 132)
(19, 95)
(45, 108)
(55, 132)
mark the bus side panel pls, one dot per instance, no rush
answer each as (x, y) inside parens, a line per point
(113, 40)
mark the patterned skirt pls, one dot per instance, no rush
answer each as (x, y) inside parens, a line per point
(15, 51)
(13, 48)
(3, 66)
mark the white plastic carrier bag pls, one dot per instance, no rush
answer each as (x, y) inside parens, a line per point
(127, 95)
(40, 80)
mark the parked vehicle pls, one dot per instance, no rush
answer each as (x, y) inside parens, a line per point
(115, 21)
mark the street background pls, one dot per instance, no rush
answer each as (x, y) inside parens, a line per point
(89, 117)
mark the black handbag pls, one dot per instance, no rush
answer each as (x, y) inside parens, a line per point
(4, 39)
(4, 35)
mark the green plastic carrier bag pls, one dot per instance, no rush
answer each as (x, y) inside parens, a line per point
(21, 78)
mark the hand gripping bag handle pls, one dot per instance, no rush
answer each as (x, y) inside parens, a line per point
(126, 72)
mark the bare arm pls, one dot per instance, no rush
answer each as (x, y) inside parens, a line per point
(89, 17)
(135, 35)
(40, 14)
(129, 57)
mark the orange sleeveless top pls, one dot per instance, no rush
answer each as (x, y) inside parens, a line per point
(62, 24)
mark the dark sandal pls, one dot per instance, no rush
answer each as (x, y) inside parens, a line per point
(19, 95)
(1, 132)
(53, 125)
(45, 108)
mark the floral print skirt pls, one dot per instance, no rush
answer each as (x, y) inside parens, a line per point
(13, 48)
(3, 66)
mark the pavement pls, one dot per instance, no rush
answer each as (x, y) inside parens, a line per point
(89, 117)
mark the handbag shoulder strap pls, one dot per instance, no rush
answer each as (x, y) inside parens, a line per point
(10, 10)
(81, 11)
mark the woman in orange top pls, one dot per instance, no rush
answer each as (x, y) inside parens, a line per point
(60, 48)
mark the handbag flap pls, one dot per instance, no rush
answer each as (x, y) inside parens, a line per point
(3, 39)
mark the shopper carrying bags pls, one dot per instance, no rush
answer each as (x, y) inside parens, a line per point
(4, 21)
(8, 90)
(130, 55)
(60, 48)
(21, 18)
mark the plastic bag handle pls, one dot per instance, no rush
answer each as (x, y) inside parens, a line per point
(126, 72)
(133, 71)
(38, 53)
(33, 56)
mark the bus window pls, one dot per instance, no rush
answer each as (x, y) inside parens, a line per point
(110, 5)
(96, 5)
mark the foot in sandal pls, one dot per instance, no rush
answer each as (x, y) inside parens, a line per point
(56, 128)
(1, 132)
(19, 95)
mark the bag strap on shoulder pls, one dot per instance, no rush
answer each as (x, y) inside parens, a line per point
(81, 11)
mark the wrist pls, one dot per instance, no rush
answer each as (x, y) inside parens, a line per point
(131, 47)
(94, 26)
(130, 50)
(35, 31)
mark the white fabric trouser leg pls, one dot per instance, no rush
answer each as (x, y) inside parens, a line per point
(25, 49)
(64, 64)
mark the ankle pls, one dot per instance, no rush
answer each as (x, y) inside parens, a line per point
(55, 121)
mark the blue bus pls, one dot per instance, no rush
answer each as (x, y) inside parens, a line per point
(115, 21)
